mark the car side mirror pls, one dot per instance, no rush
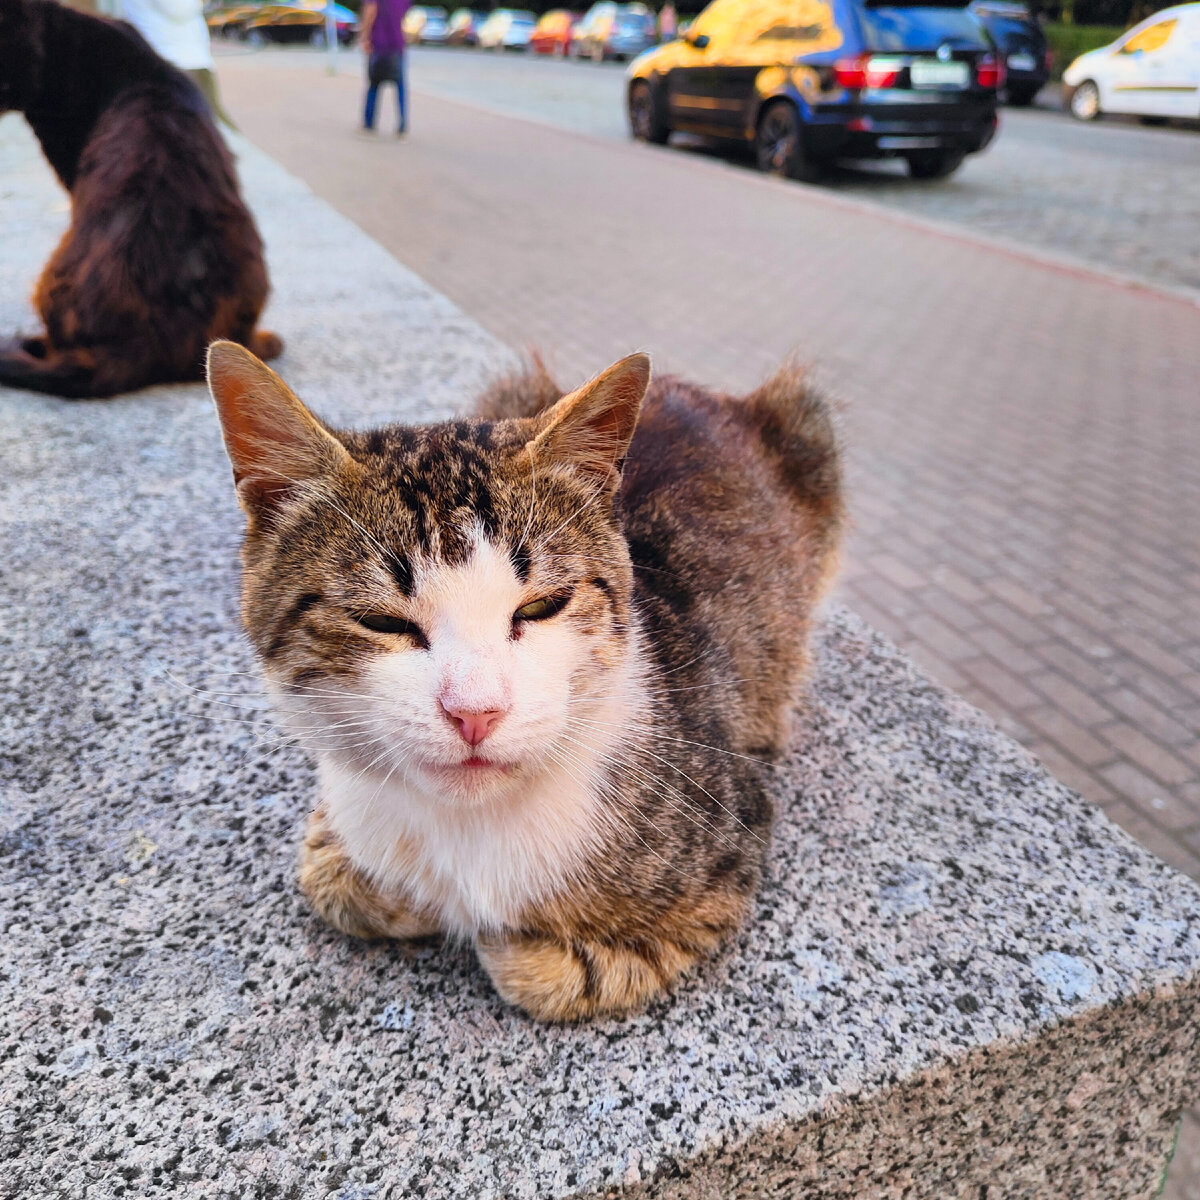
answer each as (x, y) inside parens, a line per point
(699, 41)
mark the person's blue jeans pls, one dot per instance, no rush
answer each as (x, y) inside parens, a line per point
(373, 93)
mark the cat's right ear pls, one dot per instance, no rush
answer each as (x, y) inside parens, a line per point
(591, 427)
(274, 443)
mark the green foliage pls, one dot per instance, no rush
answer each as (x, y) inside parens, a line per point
(1070, 41)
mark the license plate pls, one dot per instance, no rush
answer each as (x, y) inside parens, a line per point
(925, 73)
(1022, 62)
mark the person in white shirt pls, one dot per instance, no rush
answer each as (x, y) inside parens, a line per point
(177, 31)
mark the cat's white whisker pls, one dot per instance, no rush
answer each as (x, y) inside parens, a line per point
(686, 807)
(724, 808)
(649, 732)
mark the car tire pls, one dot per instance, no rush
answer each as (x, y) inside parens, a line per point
(1021, 97)
(1085, 101)
(647, 121)
(934, 164)
(779, 144)
(1152, 121)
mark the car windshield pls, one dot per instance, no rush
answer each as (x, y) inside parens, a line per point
(899, 27)
(632, 22)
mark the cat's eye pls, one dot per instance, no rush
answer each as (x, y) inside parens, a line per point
(385, 623)
(541, 609)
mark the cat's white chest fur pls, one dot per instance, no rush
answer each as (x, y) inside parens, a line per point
(472, 868)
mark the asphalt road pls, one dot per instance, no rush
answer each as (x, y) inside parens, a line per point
(1114, 194)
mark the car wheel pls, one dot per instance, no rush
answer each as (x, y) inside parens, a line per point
(779, 144)
(647, 121)
(1085, 102)
(934, 164)
(1152, 120)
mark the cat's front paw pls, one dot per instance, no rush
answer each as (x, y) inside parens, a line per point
(342, 896)
(555, 980)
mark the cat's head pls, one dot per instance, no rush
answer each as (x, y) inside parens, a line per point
(449, 604)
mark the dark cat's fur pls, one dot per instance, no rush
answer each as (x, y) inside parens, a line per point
(624, 621)
(162, 255)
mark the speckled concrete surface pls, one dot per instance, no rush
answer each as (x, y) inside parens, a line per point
(960, 979)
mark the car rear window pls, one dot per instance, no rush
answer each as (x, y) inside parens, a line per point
(899, 27)
(1006, 26)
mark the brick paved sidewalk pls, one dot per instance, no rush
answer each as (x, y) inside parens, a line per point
(1024, 471)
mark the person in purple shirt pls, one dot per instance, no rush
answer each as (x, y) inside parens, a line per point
(383, 41)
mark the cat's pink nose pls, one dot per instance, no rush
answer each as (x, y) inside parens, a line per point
(473, 727)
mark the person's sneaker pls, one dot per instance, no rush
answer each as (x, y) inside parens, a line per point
(365, 131)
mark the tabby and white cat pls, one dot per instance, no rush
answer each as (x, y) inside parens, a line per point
(542, 661)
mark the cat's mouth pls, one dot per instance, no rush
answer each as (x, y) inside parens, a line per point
(474, 767)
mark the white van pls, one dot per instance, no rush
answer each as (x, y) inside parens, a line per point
(1151, 71)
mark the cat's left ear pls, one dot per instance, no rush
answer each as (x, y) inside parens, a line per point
(275, 444)
(591, 427)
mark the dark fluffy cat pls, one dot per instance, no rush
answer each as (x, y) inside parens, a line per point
(162, 255)
(541, 660)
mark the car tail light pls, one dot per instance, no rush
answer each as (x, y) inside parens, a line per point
(1049, 60)
(989, 72)
(867, 71)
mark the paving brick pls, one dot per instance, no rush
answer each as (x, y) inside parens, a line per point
(1168, 768)
(1069, 737)
(897, 572)
(941, 637)
(1002, 685)
(1088, 673)
(1064, 694)
(1150, 797)
(1005, 651)
(962, 616)
(1156, 657)
(1149, 718)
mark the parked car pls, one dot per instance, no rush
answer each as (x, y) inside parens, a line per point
(553, 32)
(806, 82)
(1021, 41)
(463, 26)
(507, 29)
(610, 30)
(300, 22)
(231, 22)
(1153, 71)
(426, 26)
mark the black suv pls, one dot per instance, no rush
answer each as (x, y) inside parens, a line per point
(1022, 44)
(810, 81)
